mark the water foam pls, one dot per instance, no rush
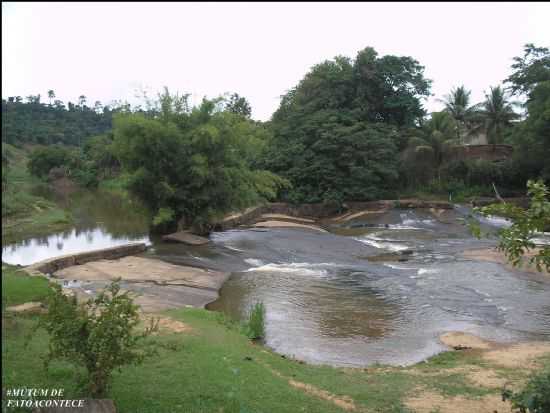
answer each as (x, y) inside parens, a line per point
(427, 271)
(254, 262)
(391, 246)
(300, 268)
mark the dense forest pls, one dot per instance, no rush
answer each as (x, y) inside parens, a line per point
(350, 130)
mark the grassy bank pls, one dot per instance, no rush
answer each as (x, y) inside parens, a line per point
(24, 214)
(209, 366)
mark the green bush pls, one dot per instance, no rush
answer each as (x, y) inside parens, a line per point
(42, 160)
(254, 328)
(97, 335)
(534, 397)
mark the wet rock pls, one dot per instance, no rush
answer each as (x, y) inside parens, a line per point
(186, 237)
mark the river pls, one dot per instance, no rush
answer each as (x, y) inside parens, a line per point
(379, 289)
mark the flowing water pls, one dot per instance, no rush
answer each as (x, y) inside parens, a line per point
(378, 289)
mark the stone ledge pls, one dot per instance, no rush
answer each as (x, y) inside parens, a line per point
(52, 265)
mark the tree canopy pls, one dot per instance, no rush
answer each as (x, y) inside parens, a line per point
(192, 165)
(336, 134)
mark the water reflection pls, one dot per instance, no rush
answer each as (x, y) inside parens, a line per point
(102, 219)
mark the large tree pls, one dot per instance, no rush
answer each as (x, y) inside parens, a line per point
(531, 78)
(336, 134)
(190, 166)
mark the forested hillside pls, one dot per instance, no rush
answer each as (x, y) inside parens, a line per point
(35, 122)
(350, 130)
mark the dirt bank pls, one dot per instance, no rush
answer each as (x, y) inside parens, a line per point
(499, 366)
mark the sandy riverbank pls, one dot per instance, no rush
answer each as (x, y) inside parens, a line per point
(493, 255)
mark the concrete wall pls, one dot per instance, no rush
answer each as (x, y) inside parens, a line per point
(485, 152)
(51, 265)
(320, 210)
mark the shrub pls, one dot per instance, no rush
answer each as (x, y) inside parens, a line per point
(254, 328)
(97, 335)
(42, 160)
(534, 397)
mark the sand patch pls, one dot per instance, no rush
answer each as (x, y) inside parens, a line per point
(427, 402)
(167, 324)
(458, 339)
(285, 224)
(521, 355)
(493, 255)
(344, 403)
(32, 307)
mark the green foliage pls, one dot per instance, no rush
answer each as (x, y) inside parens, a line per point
(458, 105)
(98, 335)
(497, 113)
(38, 123)
(42, 160)
(534, 397)
(254, 328)
(516, 240)
(18, 288)
(531, 139)
(530, 70)
(337, 133)
(238, 105)
(195, 163)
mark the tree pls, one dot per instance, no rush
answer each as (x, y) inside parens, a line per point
(42, 160)
(457, 104)
(190, 166)
(337, 132)
(51, 95)
(529, 70)
(82, 101)
(425, 152)
(238, 105)
(98, 335)
(497, 112)
(517, 240)
(531, 137)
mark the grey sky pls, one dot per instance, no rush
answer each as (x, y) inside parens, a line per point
(259, 50)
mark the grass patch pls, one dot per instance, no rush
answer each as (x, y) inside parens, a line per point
(214, 367)
(18, 288)
(24, 214)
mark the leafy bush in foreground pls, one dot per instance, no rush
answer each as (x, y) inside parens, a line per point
(535, 396)
(98, 335)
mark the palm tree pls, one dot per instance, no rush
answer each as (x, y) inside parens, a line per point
(497, 112)
(51, 95)
(457, 104)
(428, 150)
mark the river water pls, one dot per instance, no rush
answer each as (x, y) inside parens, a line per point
(379, 289)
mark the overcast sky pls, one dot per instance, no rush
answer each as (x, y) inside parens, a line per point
(259, 50)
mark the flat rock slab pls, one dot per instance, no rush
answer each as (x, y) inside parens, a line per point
(185, 237)
(156, 285)
(139, 269)
(286, 224)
